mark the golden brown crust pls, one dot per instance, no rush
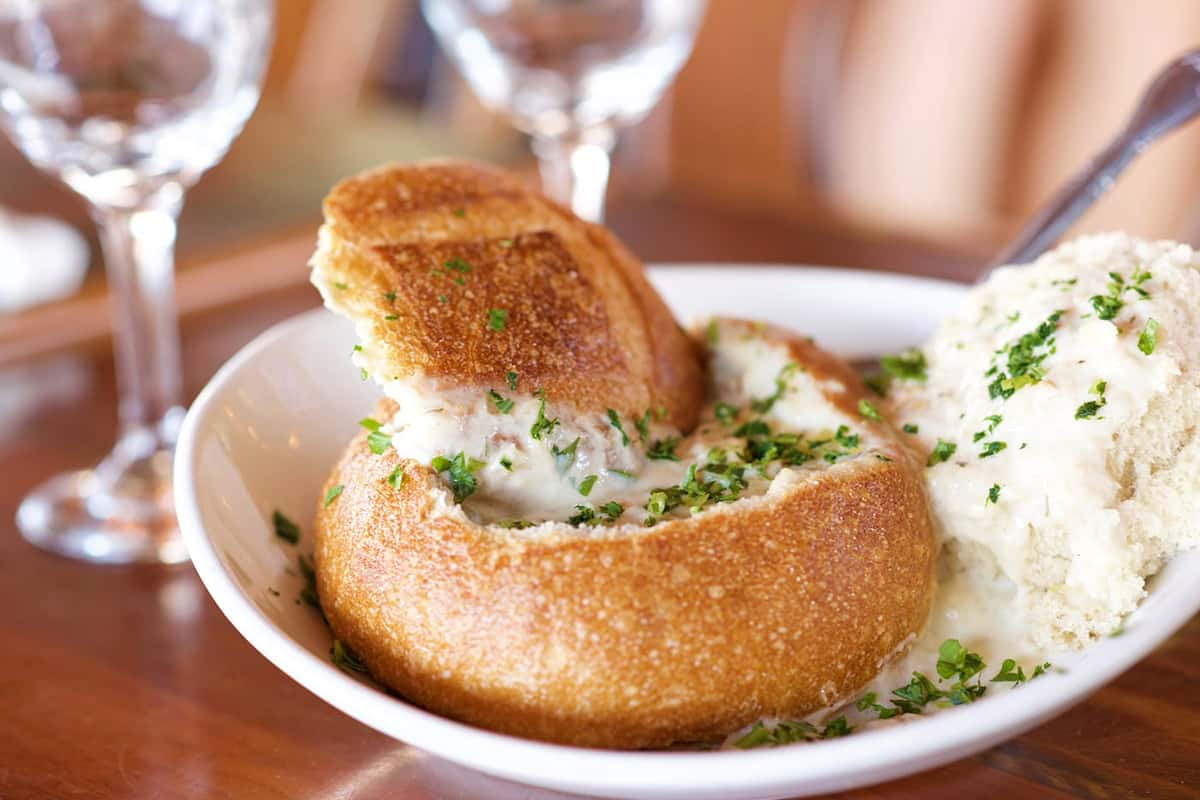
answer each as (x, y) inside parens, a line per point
(452, 240)
(775, 605)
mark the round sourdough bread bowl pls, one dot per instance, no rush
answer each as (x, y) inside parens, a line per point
(664, 622)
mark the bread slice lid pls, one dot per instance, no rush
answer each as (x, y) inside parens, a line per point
(456, 274)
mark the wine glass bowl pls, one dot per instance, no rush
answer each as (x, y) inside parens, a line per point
(128, 102)
(569, 73)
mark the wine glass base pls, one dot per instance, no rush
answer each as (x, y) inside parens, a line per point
(74, 516)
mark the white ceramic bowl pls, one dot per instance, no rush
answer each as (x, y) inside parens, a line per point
(267, 429)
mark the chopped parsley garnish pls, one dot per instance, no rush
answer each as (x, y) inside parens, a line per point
(612, 510)
(1109, 305)
(992, 421)
(356, 349)
(503, 404)
(584, 515)
(991, 448)
(496, 318)
(340, 285)
(1064, 283)
(789, 731)
(389, 296)
(712, 333)
(284, 528)
(377, 440)
(362, 374)
(1010, 672)
(954, 662)
(1013, 317)
(844, 438)
(1022, 359)
(564, 458)
(1106, 307)
(308, 594)
(441, 298)
(395, 478)
(457, 265)
(345, 658)
(518, 524)
(511, 378)
(333, 493)
(993, 495)
(906, 365)
(542, 425)
(910, 427)
(460, 474)
(764, 404)
(725, 412)
(642, 424)
(585, 485)
(506, 462)
(941, 452)
(663, 449)
(622, 473)
(1089, 409)
(459, 212)
(1148, 339)
(392, 317)
(868, 411)
(615, 420)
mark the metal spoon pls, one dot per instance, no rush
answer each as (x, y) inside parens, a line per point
(1171, 100)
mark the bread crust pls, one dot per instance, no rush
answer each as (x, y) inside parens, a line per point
(419, 255)
(632, 637)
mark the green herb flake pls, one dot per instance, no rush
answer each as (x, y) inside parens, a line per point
(1010, 672)
(459, 472)
(344, 658)
(993, 495)
(284, 528)
(712, 333)
(441, 298)
(333, 493)
(362, 374)
(585, 486)
(663, 449)
(497, 317)
(340, 285)
(506, 462)
(564, 458)
(1019, 363)
(542, 425)
(1148, 339)
(725, 413)
(765, 404)
(378, 442)
(511, 378)
(390, 297)
(615, 420)
(868, 411)
(503, 404)
(909, 365)
(459, 212)
(992, 448)
(457, 265)
(942, 451)
(391, 317)
(370, 424)
(395, 478)
(910, 427)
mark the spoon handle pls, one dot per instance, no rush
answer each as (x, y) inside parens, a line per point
(1173, 99)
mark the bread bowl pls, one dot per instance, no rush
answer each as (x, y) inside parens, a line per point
(543, 541)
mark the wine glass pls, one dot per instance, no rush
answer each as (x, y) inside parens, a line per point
(128, 102)
(568, 73)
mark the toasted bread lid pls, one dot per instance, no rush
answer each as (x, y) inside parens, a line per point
(455, 271)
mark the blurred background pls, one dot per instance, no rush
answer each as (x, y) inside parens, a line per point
(931, 121)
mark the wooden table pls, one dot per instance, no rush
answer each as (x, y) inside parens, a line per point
(128, 682)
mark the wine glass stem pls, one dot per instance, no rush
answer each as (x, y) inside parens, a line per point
(139, 250)
(574, 168)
